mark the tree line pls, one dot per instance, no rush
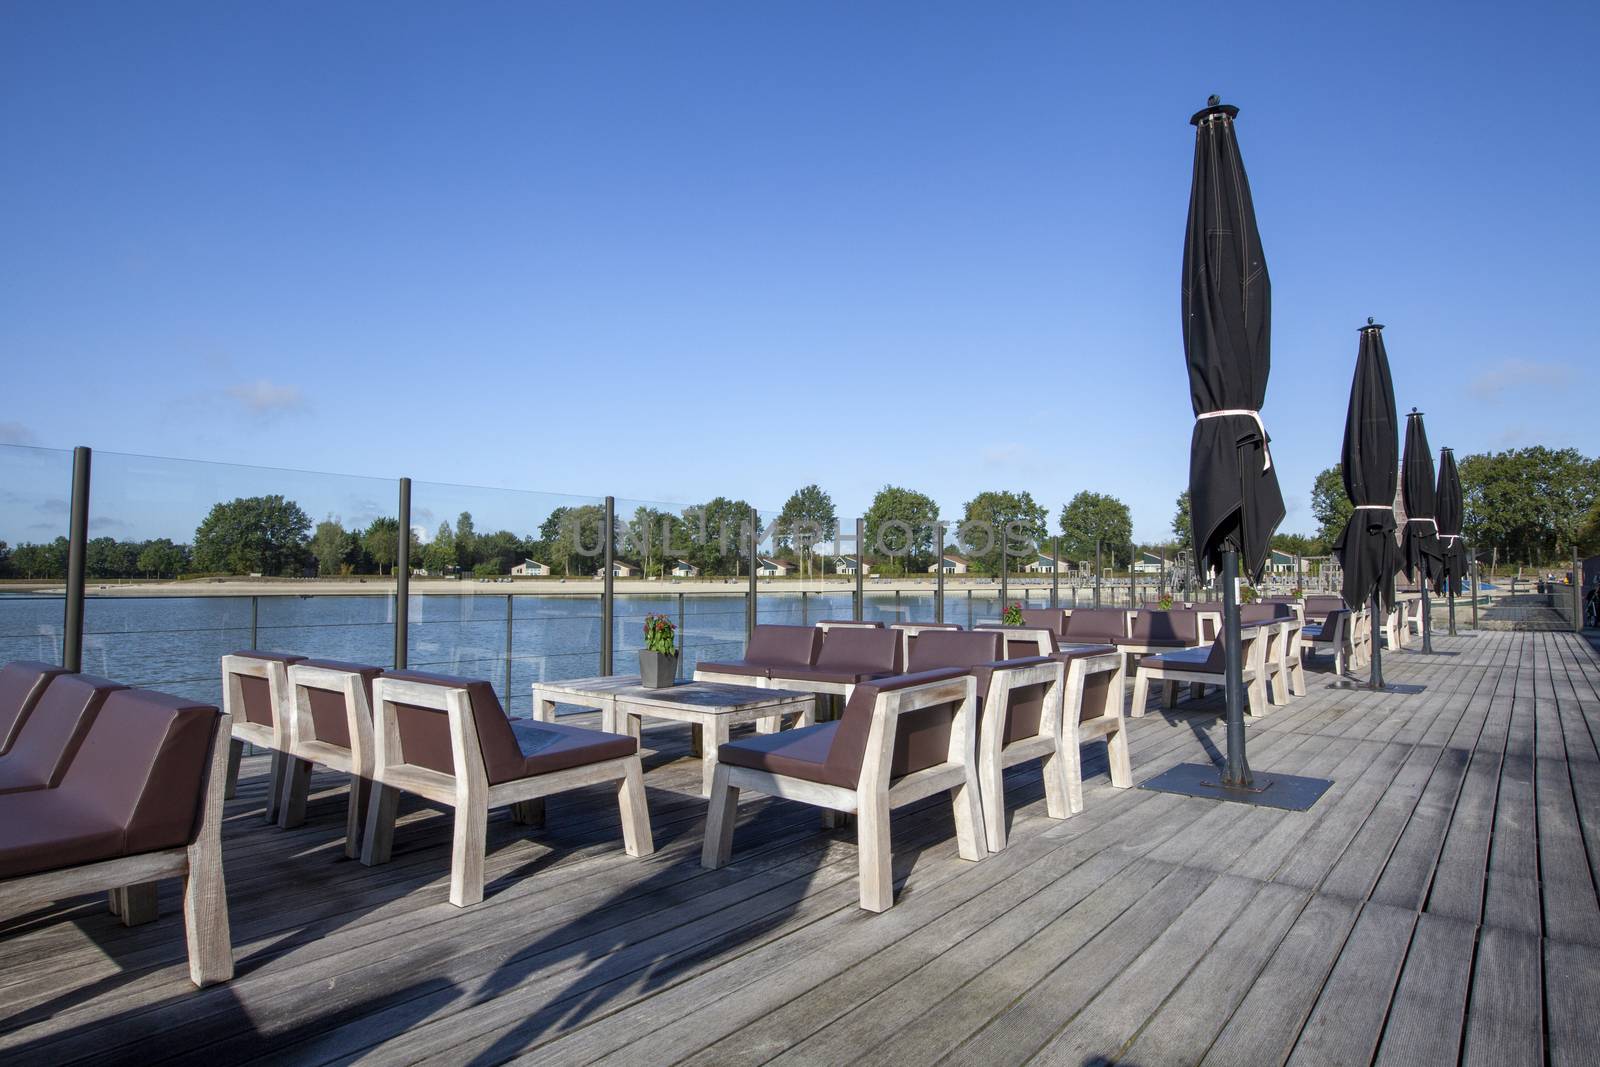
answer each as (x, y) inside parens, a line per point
(1529, 505)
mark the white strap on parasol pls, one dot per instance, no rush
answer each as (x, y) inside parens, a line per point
(1374, 507)
(1266, 454)
(1424, 518)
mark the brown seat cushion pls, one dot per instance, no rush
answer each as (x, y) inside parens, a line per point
(1254, 613)
(935, 649)
(783, 646)
(1210, 660)
(53, 732)
(1177, 629)
(799, 753)
(1052, 619)
(255, 691)
(1025, 708)
(842, 676)
(1068, 653)
(860, 651)
(21, 684)
(135, 786)
(1095, 624)
(509, 752)
(750, 670)
(330, 719)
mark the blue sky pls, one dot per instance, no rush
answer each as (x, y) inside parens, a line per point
(668, 251)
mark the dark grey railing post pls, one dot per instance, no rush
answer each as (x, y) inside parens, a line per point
(751, 595)
(402, 579)
(1097, 572)
(77, 557)
(255, 618)
(1005, 565)
(682, 636)
(510, 614)
(1055, 573)
(1577, 592)
(1473, 570)
(861, 569)
(938, 573)
(608, 591)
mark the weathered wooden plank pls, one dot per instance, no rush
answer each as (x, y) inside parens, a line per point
(1571, 982)
(1430, 1003)
(1348, 1017)
(1506, 1009)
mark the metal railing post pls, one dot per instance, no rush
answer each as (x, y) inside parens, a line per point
(1098, 570)
(1474, 572)
(751, 595)
(1055, 573)
(938, 574)
(255, 617)
(402, 579)
(682, 635)
(1577, 592)
(861, 569)
(1005, 565)
(77, 559)
(608, 591)
(510, 614)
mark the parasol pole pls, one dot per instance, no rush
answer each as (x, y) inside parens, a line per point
(1376, 681)
(1237, 773)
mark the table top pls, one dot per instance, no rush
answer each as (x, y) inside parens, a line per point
(704, 696)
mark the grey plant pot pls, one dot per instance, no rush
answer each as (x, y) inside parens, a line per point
(657, 670)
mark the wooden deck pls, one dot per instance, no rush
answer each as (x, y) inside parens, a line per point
(1438, 904)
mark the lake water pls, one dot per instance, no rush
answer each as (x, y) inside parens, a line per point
(175, 643)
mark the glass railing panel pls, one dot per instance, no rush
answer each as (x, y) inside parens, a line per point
(35, 490)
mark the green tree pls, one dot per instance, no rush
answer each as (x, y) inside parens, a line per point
(381, 542)
(248, 535)
(106, 557)
(998, 523)
(575, 539)
(718, 535)
(1089, 519)
(900, 529)
(499, 551)
(1330, 505)
(1530, 503)
(5, 560)
(1182, 525)
(1298, 544)
(649, 536)
(440, 554)
(466, 542)
(162, 559)
(333, 547)
(808, 517)
(48, 560)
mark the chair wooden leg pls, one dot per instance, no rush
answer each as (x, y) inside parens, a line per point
(1117, 756)
(355, 814)
(636, 836)
(280, 770)
(136, 904)
(967, 800)
(528, 812)
(1141, 694)
(467, 847)
(378, 842)
(1257, 692)
(205, 914)
(872, 845)
(992, 796)
(296, 787)
(1169, 694)
(235, 753)
(114, 901)
(1297, 678)
(720, 815)
(1063, 780)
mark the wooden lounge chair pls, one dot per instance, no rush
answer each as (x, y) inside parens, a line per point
(449, 740)
(1283, 633)
(255, 694)
(330, 723)
(140, 801)
(22, 682)
(769, 648)
(1095, 625)
(1200, 667)
(1019, 718)
(52, 731)
(901, 739)
(909, 630)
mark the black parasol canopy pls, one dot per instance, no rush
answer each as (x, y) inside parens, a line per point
(1227, 331)
(1371, 453)
(1424, 559)
(1448, 501)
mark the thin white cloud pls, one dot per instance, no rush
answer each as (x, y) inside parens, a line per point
(14, 433)
(1521, 374)
(265, 398)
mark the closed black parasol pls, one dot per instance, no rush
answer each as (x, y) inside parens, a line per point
(1419, 544)
(1234, 499)
(1448, 502)
(1368, 462)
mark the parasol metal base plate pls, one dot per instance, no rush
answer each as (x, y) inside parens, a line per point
(1289, 792)
(1395, 688)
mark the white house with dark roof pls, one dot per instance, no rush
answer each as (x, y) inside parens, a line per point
(772, 568)
(1046, 564)
(953, 564)
(1149, 563)
(844, 564)
(619, 569)
(682, 568)
(531, 568)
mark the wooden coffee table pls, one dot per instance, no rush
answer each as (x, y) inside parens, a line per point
(714, 707)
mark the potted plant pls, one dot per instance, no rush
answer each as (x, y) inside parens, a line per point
(658, 659)
(1012, 616)
(1165, 602)
(1248, 594)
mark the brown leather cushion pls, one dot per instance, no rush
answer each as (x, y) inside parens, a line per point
(1202, 660)
(1249, 613)
(21, 684)
(550, 746)
(861, 651)
(53, 733)
(136, 785)
(330, 719)
(255, 691)
(799, 753)
(841, 676)
(1052, 619)
(1068, 653)
(935, 649)
(1176, 628)
(1095, 624)
(509, 753)
(783, 646)
(751, 670)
